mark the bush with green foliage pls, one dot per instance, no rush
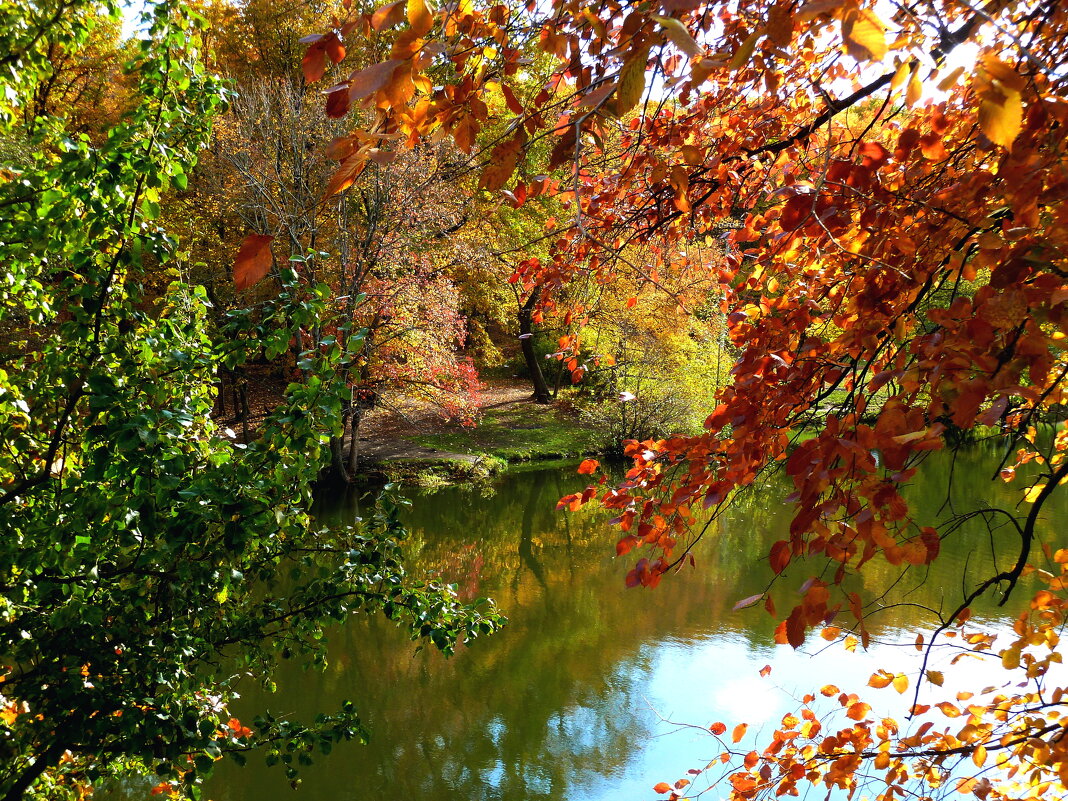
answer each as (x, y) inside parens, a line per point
(146, 559)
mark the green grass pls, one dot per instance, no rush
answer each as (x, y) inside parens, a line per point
(519, 433)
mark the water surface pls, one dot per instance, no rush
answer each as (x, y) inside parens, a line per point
(581, 695)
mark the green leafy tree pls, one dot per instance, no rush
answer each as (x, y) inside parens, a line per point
(146, 560)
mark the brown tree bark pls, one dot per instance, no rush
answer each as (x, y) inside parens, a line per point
(526, 342)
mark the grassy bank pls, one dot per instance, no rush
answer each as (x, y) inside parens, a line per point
(518, 433)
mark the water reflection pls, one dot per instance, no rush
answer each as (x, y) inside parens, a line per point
(576, 698)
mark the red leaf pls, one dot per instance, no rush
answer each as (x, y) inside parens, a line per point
(314, 62)
(795, 628)
(253, 260)
(780, 556)
(766, 670)
(511, 100)
(337, 103)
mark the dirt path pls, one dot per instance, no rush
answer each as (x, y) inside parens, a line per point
(384, 432)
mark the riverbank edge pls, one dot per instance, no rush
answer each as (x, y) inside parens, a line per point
(508, 436)
(447, 468)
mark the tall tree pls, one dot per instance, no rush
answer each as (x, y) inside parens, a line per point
(898, 282)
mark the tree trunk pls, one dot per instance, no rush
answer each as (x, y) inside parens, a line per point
(49, 758)
(354, 438)
(526, 342)
(336, 472)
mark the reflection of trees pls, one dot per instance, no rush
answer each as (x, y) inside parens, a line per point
(538, 709)
(526, 548)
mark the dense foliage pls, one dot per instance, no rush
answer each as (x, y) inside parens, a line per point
(148, 561)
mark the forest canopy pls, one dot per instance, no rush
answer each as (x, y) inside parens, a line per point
(821, 237)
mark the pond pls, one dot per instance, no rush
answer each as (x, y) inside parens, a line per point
(581, 695)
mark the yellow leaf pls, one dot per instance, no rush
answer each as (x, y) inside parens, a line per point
(864, 34)
(901, 682)
(950, 80)
(745, 52)
(9, 714)
(904, 439)
(419, 17)
(915, 88)
(935, 677)
(1001, 122)
(631, 83)
(900, 75)
(979, 756)
(1010, 658)
(1032, 494)
(679, 35)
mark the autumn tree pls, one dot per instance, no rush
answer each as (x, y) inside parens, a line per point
(897, 282)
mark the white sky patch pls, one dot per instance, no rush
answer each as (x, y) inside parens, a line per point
(131, 17)
(746, 697)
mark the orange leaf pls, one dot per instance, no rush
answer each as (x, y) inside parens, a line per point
(662, 787)
(388, 15)
(511, 100)
(335, 50)
(588, 466)
(880, 680)
(858, 711)
(253, 260)
(368, 81)
(346, 173)
(1001, 121)
(502, 163)
(739, 732)
(717, 728)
